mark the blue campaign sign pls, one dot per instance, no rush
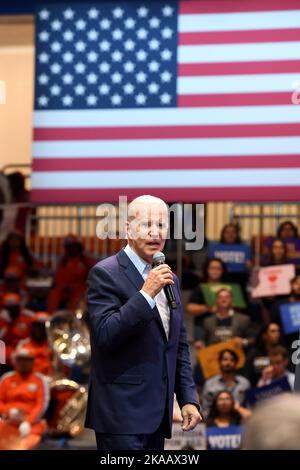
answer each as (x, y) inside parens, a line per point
(224, 438)
(290, 317)
(262, 393)
(233, 255)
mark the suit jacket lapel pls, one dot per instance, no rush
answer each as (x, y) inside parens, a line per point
(137, 280)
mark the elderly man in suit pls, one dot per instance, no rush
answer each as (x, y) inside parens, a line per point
(140, 354)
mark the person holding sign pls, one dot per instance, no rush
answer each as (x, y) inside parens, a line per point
(228, 379)
(280, 318)
(197, 307)
(223, 431)
(226, 412)
(235, 254)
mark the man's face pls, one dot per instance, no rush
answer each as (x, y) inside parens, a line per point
(279, 365)
(227, 363)
(147, 231)
(224, 300)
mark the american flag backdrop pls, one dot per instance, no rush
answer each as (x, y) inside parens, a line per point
(188, 100)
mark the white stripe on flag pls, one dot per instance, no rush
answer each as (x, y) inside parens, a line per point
(167, 117)
(237, 84)
(239, 52)
(167, 178)
(239, 21)
(168, 147)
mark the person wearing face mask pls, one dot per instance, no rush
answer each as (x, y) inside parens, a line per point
(38, 344)
(15, 323)
(24, 397)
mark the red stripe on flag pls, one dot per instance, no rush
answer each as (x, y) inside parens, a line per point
(238, 37)
(228, 6)
(259, 193)
(239, 68)
(165, 163)
(235, 99)
(168, 132)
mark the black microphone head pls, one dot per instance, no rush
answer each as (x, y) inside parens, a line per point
(158, 258)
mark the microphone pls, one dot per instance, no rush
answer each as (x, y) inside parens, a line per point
(158, 259)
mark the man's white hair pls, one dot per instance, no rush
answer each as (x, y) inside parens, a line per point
(145, 200)
(274, 425)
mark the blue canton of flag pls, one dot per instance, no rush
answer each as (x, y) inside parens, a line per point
(106, 55)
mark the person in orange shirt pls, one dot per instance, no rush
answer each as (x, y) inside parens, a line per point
(14, 252)
(24, 396)
(38, 344)
(15, 323)
(70, 278)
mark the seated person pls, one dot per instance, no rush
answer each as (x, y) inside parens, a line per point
(287, 230)
(23, 397)
(70, 277)
(275, 310)
(15, 253)
(230, 235)
(258, 356)
(228, 379)
(278, 254)
(214, 273)
(15, 323)
(225, 412)
(227, 324)
(277, 369)
(37, 343)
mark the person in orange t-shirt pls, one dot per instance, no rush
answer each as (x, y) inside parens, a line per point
(15, 323)
(24, 397)
(70, 278)
(38, 344)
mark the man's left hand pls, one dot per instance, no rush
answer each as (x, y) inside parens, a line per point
(191, 417)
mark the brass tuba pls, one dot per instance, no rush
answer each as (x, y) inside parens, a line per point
(68, 336)
(67, 414)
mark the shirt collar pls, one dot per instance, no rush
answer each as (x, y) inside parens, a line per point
(138, 262)
(230, 314)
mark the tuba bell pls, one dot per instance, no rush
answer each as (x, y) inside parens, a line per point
(68, 336)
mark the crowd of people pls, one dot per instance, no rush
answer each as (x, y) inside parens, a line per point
(250, 334)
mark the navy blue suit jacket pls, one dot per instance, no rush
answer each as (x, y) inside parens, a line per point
(135, 368)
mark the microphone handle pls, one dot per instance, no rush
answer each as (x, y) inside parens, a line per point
(169, 291)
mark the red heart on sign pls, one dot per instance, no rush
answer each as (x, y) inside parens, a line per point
(272, 277)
